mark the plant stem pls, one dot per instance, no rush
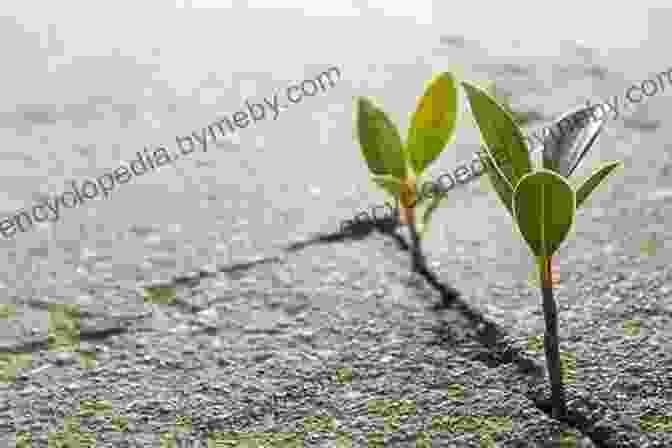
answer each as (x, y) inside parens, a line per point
(448, 294)
(416, 250)
(551, 339)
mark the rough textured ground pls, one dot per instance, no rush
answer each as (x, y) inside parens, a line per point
(328, 330)
(325, 343)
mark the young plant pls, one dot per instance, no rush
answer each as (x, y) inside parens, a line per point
(542, 202)
(397, 167)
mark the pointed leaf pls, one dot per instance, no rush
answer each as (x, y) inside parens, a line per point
(544, 206)
(389, 183)
(503, 138)
(380, 140)
(498, 180)
(593, 181)
(569, 139)
(433, 123)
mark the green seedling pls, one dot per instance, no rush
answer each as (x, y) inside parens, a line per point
(542, 202)
(397, 167)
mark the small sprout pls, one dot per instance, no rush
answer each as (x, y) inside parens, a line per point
(397, 167)
(160, 295)
(455, 392)
(631, 327)
(542, 202)
(344, 375)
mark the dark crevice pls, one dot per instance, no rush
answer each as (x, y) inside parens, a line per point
(498, 346)
(40, 304)
(500, 351)
(41, 342)
(191, 280)
(356, 231)
(603, 434)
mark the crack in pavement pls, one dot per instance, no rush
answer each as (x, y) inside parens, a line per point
(96, 334)
(498, 344)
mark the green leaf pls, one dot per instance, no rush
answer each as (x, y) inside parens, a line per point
(567, 146)
(433, 123)
(380, 141)
(388, 183)
(544, 206)
(499, 181)
(593, 181)
(503, 138)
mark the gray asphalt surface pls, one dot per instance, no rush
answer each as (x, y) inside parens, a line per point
(257, 336)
